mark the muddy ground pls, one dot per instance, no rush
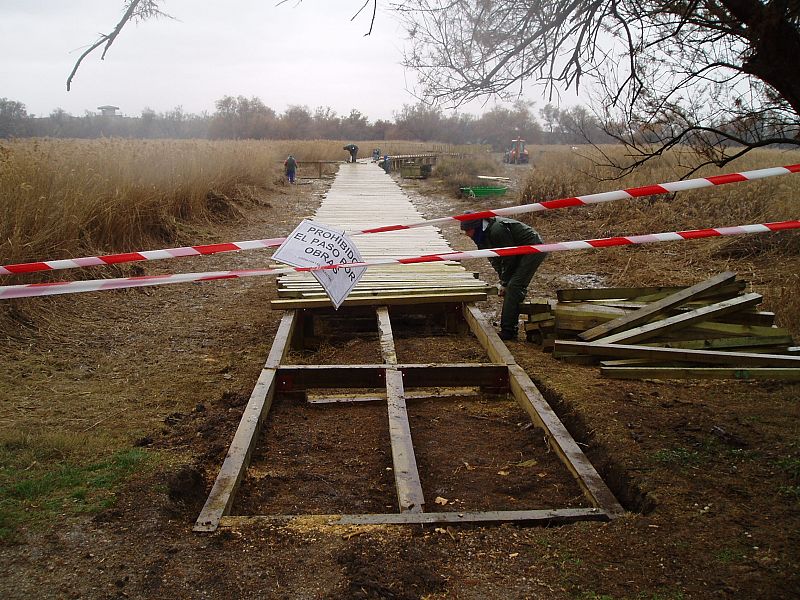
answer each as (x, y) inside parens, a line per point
(708, 471)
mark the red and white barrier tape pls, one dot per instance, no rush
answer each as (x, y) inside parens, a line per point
(663, 188)
(71, 287)
(112, 259)
(648, 190)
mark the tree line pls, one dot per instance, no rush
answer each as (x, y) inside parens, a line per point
(250, 118)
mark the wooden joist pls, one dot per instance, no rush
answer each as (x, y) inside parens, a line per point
(648, 372)
(406, 475)
(542, 517)
(236, 461)
(531, 401)
(677, 354)
(303, 377)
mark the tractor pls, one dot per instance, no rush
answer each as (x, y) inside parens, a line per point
(517, 154)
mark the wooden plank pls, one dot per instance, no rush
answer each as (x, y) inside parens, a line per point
(651, 310)
(652, 293)
(294, 303)
(681, 321)
(780, 374)
(541, 517)
(532, 402)
(386, 338)
(301, 377)
(406, 475)
(487, 337)
(670, 354)
(434, 394)
(729, 329)
(220, 499)
(721, 343)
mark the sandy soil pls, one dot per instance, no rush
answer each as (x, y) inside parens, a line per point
(701, 467)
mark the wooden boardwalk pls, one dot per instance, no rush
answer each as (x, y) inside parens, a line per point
(363, 196)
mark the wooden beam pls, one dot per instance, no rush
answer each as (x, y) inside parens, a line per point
(386, 337)
(220, 499)
(650, 293)
(301, 377)
(437, 394)
(742, 359)
(532, 402)
(681, 321)
(487, 337)
(380, 300)
(406, 475)
(720, 343)
(540, 517)
(700, 373)
(646, 313)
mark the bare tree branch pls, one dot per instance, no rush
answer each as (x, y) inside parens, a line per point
(136, 10)
(708, 75)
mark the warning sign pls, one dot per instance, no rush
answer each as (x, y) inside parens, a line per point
(314, 245)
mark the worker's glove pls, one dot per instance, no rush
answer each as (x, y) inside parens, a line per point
(501, 290)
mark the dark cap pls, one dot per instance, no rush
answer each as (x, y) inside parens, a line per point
(473, 224)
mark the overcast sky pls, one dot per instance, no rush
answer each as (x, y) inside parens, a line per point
(308, 53)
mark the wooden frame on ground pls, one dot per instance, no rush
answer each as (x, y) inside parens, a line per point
(503, 373)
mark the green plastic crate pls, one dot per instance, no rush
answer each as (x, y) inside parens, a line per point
(482, 191)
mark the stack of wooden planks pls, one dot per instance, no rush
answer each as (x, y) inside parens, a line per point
(709, 330)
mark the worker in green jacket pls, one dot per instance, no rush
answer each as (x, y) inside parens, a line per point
(515, 272)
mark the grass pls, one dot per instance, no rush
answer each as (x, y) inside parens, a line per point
(677, 456)
(729, 555)
(791, 466)
(47, 476)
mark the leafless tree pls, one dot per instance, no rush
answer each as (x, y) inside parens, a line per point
(718, 76)
(142, 10)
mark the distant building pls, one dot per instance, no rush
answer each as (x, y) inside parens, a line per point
(108, 111)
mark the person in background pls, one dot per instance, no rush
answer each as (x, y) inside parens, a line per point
(515, 272)
(290, 164)
(353, 150)
(376, 155)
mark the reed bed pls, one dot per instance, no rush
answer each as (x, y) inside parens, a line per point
(770, 261)
(62, 198)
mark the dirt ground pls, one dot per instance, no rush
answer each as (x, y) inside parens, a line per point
(708, 471)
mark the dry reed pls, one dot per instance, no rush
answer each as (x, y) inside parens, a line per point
(61, 198)
(771, 262)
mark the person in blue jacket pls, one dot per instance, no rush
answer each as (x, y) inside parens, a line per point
(290, 164)
(515, 272)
